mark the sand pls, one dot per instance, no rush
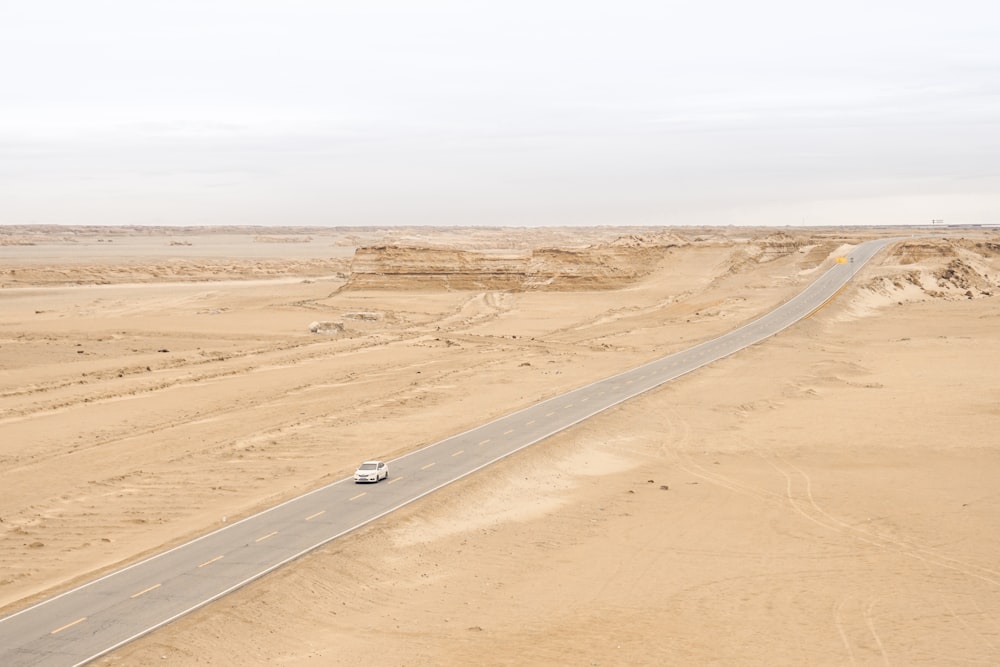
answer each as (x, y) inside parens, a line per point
(826, 497)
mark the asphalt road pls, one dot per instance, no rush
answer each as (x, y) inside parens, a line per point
(82, 624)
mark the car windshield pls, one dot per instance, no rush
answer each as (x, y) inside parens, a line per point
(367, 466)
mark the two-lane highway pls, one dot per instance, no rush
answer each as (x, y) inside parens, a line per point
(77, 626)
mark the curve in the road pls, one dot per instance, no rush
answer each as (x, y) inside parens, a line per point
(89, 621)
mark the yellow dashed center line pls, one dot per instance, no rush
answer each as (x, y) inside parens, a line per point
(394, 480)
(508, 432)
(459, 452)
(69, 625)
(427, 466)
(483, 442)
(261, 539)
(549, 414)
(313, 516)
(151, 588)
(531, 422)
(209, 562)
(584, 400)
(359, 495)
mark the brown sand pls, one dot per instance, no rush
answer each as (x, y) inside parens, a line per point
(827, 497)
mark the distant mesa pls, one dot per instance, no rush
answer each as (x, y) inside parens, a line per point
(607, 266)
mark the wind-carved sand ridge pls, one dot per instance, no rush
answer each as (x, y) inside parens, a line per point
(826, 497)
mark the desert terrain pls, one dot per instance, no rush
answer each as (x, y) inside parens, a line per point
(826, 497)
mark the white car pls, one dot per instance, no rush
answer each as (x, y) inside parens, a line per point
(371, 471)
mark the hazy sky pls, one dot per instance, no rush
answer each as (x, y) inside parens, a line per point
(508, 112)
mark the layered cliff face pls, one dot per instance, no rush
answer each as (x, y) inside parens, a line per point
(609, 265)
(412, 267)
(594, 267)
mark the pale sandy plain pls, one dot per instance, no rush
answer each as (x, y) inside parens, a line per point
(828, 497)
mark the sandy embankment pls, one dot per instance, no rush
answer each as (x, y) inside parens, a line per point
(825, 498)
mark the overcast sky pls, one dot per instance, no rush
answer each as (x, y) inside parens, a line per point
(375, 112)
